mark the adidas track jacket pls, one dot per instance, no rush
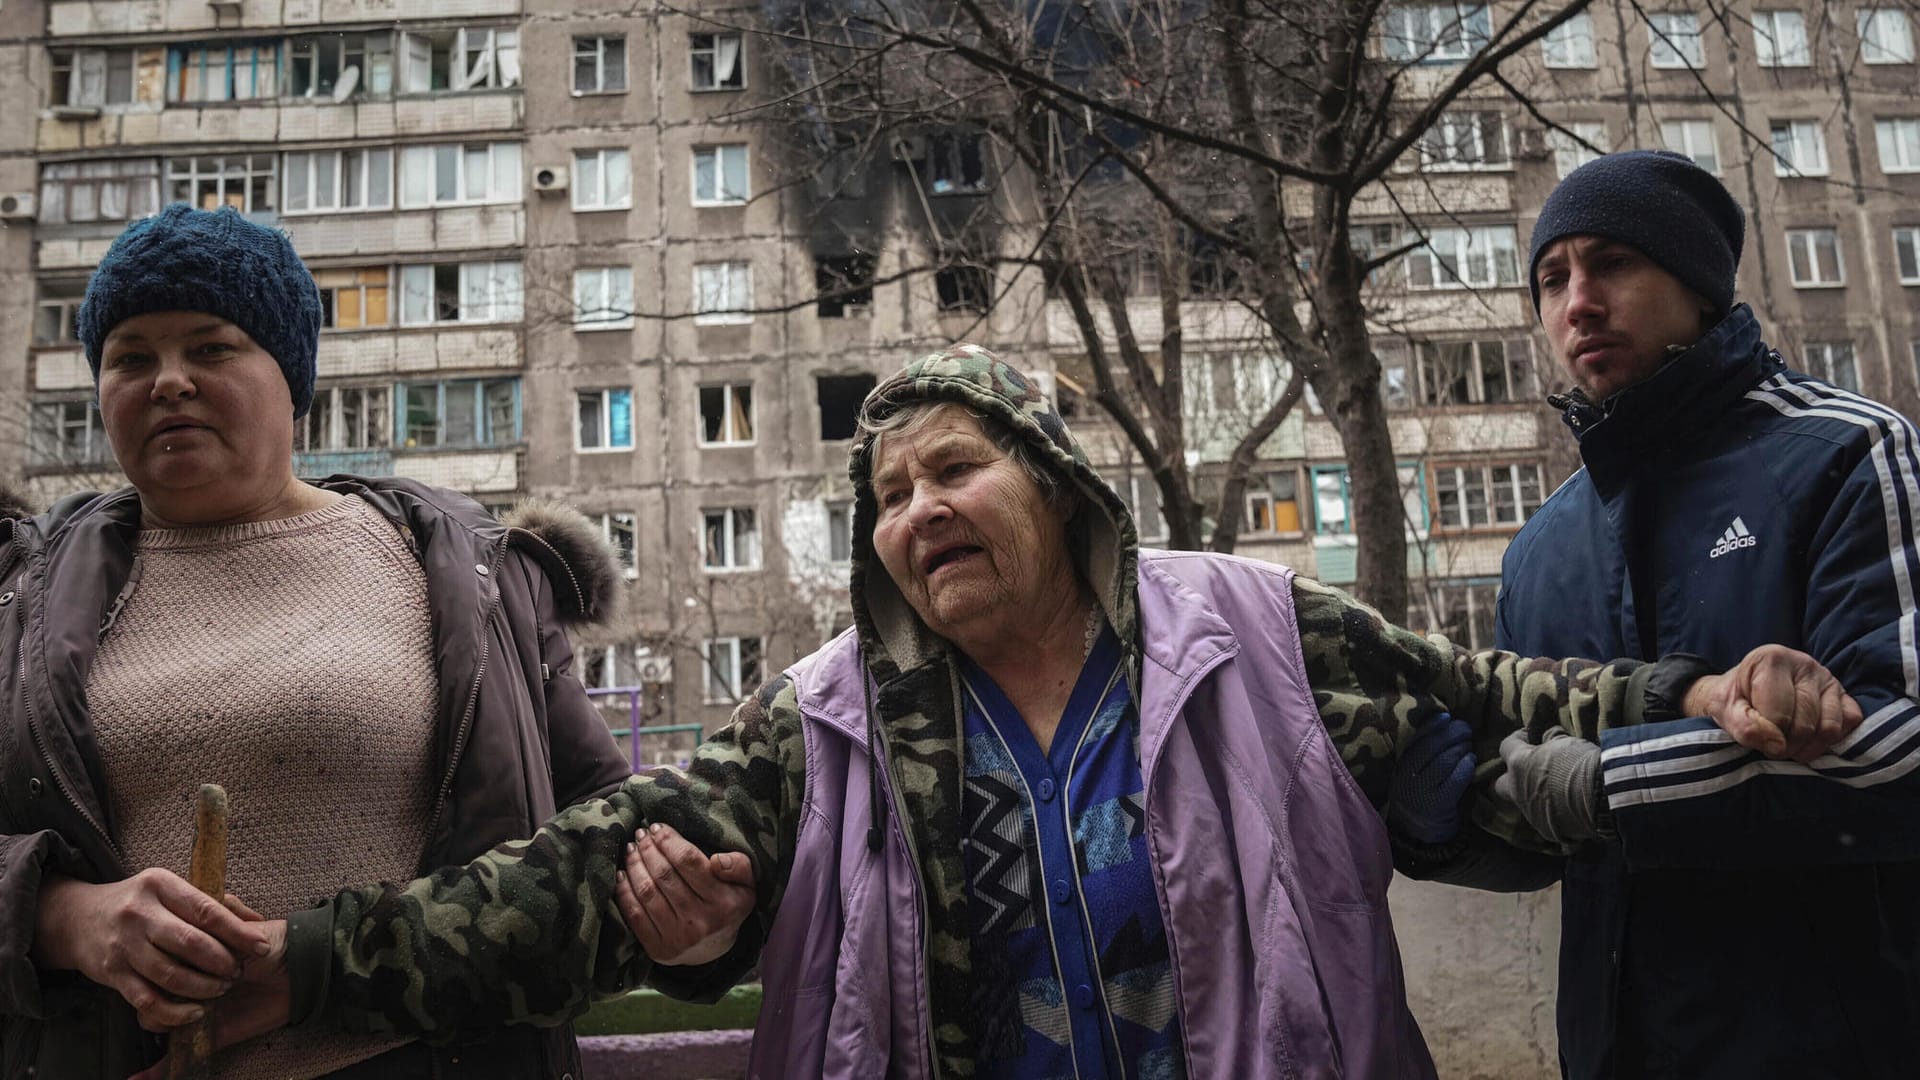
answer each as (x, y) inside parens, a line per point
(1758, 918)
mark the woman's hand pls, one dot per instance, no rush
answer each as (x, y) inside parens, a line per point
(261, 999)
(1778, 701)
(161, 943)
(685, 907)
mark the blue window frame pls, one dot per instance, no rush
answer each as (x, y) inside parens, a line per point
(457, 413)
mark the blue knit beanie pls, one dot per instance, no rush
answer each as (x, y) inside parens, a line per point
(1658, 201)
(218, 262)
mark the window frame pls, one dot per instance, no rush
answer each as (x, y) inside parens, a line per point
(378, 53)
(1770, 55)
(139, 193)
(367, 157)
(1483, 472)
(612, 314)
(1905, 143)
(250, 177)
(376, 419)
(733, 677)
(1468, 30)
(330, 310)
(720, 196)
(730, 393)
(601, 67)
(1450, 125)
(1688, 127)
(1564, 148)
(731, 536)
(1825, 371)
(1463, 252)
(72, 64)
(63, 297)
(1663, 39)
(96, 449)
(737, 275)
(602, 158)
(607, 430)
(504, 306)
(180, 66)
(483, 420)
(504, 159)
(1566, 39)
(1907, 255)
(626, 556)
(1809, 237)
(1869, 45)
(1404, 471)
(695, 50)
(1789, 166)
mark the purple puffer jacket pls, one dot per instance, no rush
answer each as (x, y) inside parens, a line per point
(1271, 867)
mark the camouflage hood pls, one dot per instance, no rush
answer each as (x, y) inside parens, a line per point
(1101, 535)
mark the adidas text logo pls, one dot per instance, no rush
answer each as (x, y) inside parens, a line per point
(1735, 538)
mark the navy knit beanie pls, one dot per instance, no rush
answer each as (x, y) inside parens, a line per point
(219, 263)
(1658, 201)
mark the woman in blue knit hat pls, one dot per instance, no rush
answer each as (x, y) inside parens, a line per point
(375, 670)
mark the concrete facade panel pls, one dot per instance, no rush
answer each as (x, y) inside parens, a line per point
(481, 472)
(62, 369)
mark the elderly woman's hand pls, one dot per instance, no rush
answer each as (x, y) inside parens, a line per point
(684, 906)
(161, 943)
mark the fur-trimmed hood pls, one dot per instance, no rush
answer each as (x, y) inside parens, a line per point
(575, 555)
(13, 504)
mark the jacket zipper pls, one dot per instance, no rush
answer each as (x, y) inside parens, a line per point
(913, 857)
(40, 744)
(473, 701)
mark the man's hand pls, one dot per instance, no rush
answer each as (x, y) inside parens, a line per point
(161, 943)
(259, 1002)
(1778, 701)
(684, 906)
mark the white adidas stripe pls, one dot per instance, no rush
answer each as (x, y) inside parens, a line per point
(1740, 528)
(1761, 766)
(1713, 746)
(1782, 394)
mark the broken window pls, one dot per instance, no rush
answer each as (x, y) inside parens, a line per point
(845, 285)
(840, 397)
(732, 538)
(319, 64)
(466, 59)
(91, 77)
(956, 164)
(726, 414)
(716, 62)
(964, 287)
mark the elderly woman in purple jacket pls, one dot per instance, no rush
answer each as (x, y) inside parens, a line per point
(1055, 807)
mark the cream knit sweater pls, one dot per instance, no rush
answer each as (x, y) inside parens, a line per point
(291, 662)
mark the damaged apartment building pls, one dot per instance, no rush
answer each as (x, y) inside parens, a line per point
(562, 257)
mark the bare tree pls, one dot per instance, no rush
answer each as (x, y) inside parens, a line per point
(1214, 151)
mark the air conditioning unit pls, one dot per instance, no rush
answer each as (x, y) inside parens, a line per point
(550, 179)
(654, 669)
(856, 311)
(17, 206)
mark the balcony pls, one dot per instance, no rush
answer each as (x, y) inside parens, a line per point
(281, 121)
(476, 472)
(480, 348)
(61, 369)
(76, 18)
(357, 462)
(378, 234)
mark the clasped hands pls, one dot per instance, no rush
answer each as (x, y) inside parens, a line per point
(1777, 701)
(176, 955)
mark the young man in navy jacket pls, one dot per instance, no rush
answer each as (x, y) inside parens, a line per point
(1745, 914)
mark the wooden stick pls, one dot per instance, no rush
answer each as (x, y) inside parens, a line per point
(190, 1049)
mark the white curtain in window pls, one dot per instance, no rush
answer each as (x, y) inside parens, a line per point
(726, 58)
(506, 173)
(416, 176)
(508, 50)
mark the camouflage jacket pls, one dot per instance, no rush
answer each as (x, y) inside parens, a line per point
(530, 932)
